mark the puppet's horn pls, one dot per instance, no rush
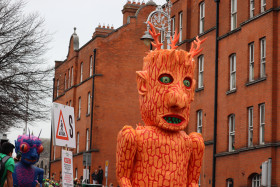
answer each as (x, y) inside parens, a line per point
(40, 133)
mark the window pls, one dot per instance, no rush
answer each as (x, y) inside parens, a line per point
(70, 103)
(65, 82)
(90, 67)
(250, 126)
(263, 55)
(262, 122)
(173, 26)
(72, 76)
(88, 108)
(87, 140)
(263, 5)
(231, 132)
(76, 173)
(233, 14)
(78, 142)
(180, 26)
(67, 103)
(57, 88)
(251, 61)
(79, 109)
(69, 78)
(199, 121)
(81, 79)
(201, 17)
(252, 8)
(233, 72)
(200, 71)
(256, 181)
(42, 164)
(230, 182)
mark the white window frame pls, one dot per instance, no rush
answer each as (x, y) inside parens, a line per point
(78, 142)
(201, 17)
(88, 107)
(251, 61)
(250, 126)
(70, 103)
(230, 182)
(263, 5)
(173, 26)
(180, 26)
(79, 108)
(256, 180)
(76, 172)
(262, 123)
(233, 72)
(262, 57)
(233, 14)
(252, 8)
(69, 78)
(199, 121)
(65, 82)
(90, 66)
(231, 142)
(81, 78)
(162, 39)
(72, 76)
(87, 139)
(57, 87)
(200, 71)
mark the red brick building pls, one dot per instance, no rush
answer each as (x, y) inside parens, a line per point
(237, 87)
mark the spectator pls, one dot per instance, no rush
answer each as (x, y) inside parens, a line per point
(100, 175)
(7, 150)
(94, 176)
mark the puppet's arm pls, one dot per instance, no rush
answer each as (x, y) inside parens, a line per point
(40, 173)
(126, 149)
(195, 159)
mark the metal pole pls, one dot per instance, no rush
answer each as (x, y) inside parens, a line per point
(216, 95)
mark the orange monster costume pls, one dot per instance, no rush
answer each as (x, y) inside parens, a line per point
(160, 153)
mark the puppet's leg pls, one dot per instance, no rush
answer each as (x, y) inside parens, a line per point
(126, 149)
(195, 159)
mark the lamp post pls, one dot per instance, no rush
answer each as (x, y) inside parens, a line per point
(161, 20)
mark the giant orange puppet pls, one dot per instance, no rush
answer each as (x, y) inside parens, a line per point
(160, 153)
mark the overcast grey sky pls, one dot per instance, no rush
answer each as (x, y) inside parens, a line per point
(61, 16)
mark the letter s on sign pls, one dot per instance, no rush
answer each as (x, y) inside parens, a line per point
(71, 127)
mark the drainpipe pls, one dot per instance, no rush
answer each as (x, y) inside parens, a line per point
(51, 137)
(216, 94)
(92, 99)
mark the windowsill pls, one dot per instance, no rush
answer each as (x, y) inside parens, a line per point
(78, 119)
(87, 115)
(199, 89)
(231, 91)
(255, 81)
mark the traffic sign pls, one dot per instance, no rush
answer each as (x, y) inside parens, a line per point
(63, 122)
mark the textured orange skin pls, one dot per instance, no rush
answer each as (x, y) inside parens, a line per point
(160, 153)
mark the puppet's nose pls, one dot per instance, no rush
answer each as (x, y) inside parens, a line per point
(177, 99)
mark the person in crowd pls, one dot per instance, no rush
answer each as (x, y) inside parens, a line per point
(94, 176)
(8, 162)
(100, 175)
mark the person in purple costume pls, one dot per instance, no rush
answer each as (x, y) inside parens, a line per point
(25, 174)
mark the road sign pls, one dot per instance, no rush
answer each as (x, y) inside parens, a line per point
(86, 159)
(67, 168)
(63, 122)
(106, 168)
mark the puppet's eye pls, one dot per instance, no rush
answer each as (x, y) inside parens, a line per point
(40, 149)
(188, 82)
(24, 148)
(165, 79)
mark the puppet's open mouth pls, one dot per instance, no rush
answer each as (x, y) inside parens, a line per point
(174, 119)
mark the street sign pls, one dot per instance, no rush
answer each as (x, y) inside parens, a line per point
(67, 168)
(63, 123)
(86, 159)
(106, 168)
